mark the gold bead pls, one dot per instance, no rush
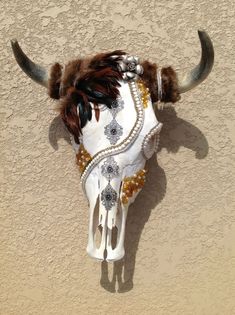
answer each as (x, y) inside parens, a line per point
(124, 199)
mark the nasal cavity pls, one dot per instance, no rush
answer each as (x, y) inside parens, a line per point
(98, 236)
(114, 237)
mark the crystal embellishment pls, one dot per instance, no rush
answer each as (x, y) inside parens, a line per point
(110, 169)
(113, 131)
(108, 197)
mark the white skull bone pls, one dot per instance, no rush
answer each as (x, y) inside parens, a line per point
(117, 157)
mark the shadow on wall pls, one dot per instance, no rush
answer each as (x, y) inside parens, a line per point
(175, 133)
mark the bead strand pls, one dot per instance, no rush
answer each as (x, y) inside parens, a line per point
(154, 131)
(132, 184)
(124, 145)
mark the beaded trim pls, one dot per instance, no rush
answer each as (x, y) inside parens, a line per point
(83, 158)
(145, 95)
(153, 132)
(132, 184)
(126, 143)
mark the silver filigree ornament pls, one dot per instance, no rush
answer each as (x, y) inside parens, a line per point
(116, 106)
(108, 197)
(113, 131)
(130, 67)
(110, 169)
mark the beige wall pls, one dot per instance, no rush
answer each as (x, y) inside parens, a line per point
(181, 231)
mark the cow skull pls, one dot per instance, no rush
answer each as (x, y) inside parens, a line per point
(115, 136)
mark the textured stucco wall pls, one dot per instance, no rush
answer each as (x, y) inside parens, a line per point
(181, 230)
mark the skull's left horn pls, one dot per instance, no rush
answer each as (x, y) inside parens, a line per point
(34, 71)
(201, 71)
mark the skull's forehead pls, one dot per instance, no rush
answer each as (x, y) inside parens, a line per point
(95, 136)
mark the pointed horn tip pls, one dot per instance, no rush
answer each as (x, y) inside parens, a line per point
(206, 42)
(203, 35)
(200, 31)
(15, 45)
(202, 70)
(34, 71)
(14, 42)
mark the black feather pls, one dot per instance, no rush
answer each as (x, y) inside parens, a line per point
(82, 114)
(89, 112)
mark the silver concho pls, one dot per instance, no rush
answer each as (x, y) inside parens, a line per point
(108, 197)
(129, 66)
(113, 131)
(110, 169)
(116, 106)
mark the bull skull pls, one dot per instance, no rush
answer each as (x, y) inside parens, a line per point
(107, 103)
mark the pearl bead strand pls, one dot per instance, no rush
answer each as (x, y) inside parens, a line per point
(125, 144)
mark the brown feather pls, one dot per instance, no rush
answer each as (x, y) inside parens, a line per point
(97, 112)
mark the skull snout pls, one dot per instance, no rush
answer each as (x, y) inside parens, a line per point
(106, 242)
(109, 200)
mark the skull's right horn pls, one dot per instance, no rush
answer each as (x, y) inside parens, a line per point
(201, 71)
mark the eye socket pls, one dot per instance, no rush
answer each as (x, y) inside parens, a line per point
(150, 142)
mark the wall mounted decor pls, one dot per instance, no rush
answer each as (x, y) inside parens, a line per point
(108, 105)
